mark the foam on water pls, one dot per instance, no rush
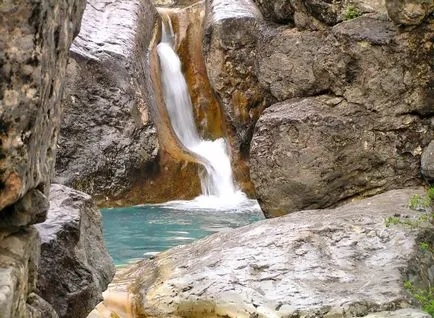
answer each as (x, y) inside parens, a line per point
(218, 187)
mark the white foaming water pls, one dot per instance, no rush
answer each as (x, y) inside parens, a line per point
(218, 188)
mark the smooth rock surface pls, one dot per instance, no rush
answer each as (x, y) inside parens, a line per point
(108, 144)
(35, 40)
(336, 263)
(74, 267)
(318, 151)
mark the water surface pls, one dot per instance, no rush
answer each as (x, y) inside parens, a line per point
(139, 232)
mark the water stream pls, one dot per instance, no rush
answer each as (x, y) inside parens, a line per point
(142, 231)
(218, 188)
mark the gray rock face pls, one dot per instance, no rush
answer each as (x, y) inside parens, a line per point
(350, 62)
(332, 263)
(315, 152)
(427, 162)
(34, 45)
(74, 267)
(316, 14)
(108, 145)
(365, 137)
(409, 12)
(106, 138)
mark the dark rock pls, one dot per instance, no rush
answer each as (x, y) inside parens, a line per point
(346, 262)
(427, 162)
(35, 41)
(319, 151)
(30, 209)
(75, 267)
(409, 12)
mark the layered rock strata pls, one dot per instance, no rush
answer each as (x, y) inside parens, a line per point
(346, 262)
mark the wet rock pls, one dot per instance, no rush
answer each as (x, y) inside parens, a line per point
(36, 37)
(187, 24)
(74, 267)
(232, 32)
(409, 12)
(109, 144)
(427, 162)
(316, 152)
(331, 263)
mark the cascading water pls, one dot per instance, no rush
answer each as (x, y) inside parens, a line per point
(218, 188)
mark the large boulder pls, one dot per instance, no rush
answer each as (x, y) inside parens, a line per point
(232, 30)
(347, 262)
(74, 267)
(109, 142)
(383, 116)
(316, 152)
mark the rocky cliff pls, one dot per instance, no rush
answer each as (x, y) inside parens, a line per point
(355, 103)
(109, 144)
(35, 41)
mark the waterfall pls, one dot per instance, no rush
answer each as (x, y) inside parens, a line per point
(218, 187)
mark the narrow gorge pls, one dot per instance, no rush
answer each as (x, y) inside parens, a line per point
(217, 158)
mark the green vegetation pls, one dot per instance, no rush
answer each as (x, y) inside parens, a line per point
(422, 221)
(430, 193)
(424, 246)
(424, 296)
(351, 13)
(419, 203)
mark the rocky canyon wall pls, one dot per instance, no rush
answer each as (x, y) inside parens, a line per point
(354, 93)
(115, 143)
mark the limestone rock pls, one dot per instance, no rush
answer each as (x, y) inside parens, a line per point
(332, 263)
(318, 151)
(35, 40)
(74, 267)
(409, 12)
(427, 162)
(108, 145)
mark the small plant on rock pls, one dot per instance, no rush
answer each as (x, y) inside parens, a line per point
(424, 296)
(351, 12)
(420, 203)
